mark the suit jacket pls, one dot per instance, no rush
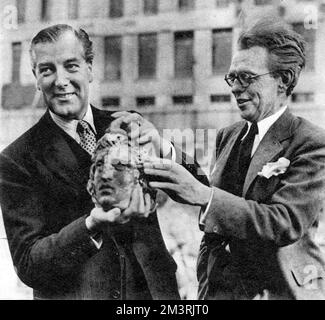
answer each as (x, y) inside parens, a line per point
(261, 245)
(43, 177)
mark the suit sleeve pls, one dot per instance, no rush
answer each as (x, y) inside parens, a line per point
(41, 258)
(209, 240)
(288, 212)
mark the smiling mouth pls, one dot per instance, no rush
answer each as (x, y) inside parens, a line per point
(64, 95)
(241, 102)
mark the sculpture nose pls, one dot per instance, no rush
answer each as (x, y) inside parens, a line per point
(107, 174)
(107, 170)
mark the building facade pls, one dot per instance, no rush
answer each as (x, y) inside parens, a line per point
(166, 58)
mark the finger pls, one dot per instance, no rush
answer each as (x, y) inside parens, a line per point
(163, 185)
(122, 219)
(132, 117)
(113, 214)
(117, 124)
(118, 114)
(147, 201)
(145, 138)
(160, 164)
(134, 203)
(141, 204)
(135, 130)
(115, 211)
(157, 173)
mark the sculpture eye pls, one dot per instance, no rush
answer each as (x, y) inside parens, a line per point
(99, 163)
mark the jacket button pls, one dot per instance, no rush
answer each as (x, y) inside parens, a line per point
(115, 294)
(215, 229)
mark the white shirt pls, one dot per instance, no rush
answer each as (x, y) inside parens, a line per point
(263, 126)
(70, 126)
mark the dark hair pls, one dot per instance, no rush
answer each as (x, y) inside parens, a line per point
(286, 48)
(52, 34)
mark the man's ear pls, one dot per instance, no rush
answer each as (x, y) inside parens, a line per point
(34, 73)
(90, 72)
(281, 86)
(285, 80)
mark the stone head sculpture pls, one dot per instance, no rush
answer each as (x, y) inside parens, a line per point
(115, 171)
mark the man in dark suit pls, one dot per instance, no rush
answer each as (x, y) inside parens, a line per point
(262, 211)
(62, 246)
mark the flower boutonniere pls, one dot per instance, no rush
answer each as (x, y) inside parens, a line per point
(274, 168)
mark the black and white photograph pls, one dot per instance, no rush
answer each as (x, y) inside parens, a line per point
(167, 150)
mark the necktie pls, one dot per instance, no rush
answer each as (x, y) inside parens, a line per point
(245, 150)
(87, 137)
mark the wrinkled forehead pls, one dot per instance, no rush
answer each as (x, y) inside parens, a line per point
(66, 47)
(252, 60)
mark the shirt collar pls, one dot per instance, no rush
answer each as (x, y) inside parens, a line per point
(265, 124)
(70, 126)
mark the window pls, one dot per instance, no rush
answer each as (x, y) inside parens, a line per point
(145, 101)
(147, 55)
(222, 3)
(183, 54)
(45, 10)
(116, 8)
(150, 6)
(303, 97)
(309, 37)
(221, 50)
(186, 4)
(282, 11)
(111, 102)
(21, 9)
(262, 2)
(322, 7)
(220, 98)
(113, 58)
(182, 100)
(73, 9)
(16, 61)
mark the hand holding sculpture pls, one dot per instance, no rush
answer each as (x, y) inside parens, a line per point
(117, 183)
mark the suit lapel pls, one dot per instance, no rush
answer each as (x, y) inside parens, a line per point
(102, 120)
(270, 147)
(221, 161)
(58, 156)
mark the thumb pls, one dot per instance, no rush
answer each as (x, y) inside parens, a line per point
(115, 211)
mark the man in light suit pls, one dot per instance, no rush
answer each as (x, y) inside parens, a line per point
(62, 246)
(262, 210)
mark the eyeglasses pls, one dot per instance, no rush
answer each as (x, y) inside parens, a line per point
(245, 79)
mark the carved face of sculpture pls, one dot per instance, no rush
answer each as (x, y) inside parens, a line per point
(114, 173)
(114, 179)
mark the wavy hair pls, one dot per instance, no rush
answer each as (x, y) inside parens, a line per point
(53, 33)
(286, 48)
